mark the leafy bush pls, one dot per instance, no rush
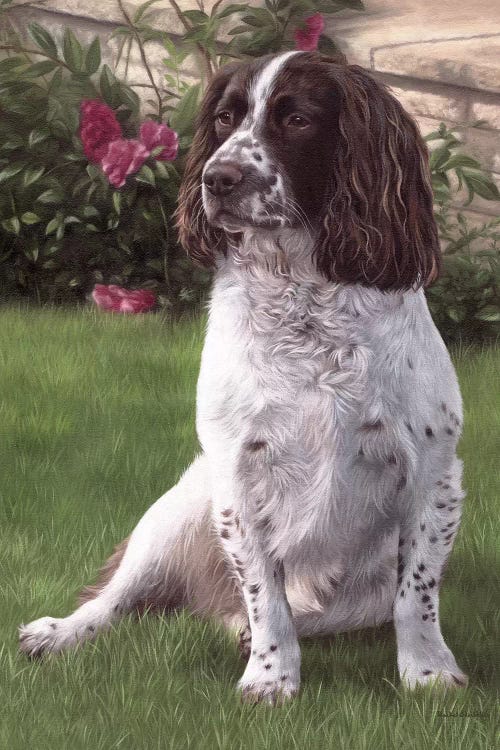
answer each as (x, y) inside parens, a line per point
(63, 228)
(465, 301)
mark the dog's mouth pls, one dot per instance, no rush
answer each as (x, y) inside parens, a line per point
(234, 222)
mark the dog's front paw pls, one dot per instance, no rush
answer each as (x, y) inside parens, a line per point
(40, 637)
(440, 669)
(272, 676)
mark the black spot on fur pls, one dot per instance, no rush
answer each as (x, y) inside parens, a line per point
(422, 527)
(449, 431)
(53, 625)
(91, 628)
(425, 617)
(416, 576)
(402, 593)
(410, 363)
(369, 426)
(429, 432)
(256, 445)
(257, 157)
(421, 567)
(227, 512)
(440, 505)
(426, 598)
(283, 677)
(273, 648)
(225, 534)
(432, 539)
(409, 427)
(427, 671)
(267, 666)
(443, 407)
(254, 588)
(431, 583)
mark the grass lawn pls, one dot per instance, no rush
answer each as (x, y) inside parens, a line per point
(96, 422)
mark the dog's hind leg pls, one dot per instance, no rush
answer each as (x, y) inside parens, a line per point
(159, 566)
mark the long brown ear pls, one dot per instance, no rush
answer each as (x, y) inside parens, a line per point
(201, 241)
(378, 226)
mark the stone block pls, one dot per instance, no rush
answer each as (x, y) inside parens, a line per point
(484, 145)
(486, 108)
(447, 105)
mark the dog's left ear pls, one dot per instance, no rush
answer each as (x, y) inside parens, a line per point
(378, 226)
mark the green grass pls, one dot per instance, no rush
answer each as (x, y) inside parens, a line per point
(96, 422)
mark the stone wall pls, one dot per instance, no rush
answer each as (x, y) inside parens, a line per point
(441, 59)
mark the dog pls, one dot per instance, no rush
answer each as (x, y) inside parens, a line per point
(327, 494)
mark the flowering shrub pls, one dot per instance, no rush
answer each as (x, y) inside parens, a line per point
(103, 144)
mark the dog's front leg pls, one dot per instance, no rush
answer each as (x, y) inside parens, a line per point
(426, 539)
(273, 670)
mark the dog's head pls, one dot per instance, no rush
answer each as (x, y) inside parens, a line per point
(304, 140)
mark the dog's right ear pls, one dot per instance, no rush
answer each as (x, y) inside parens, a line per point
(200, 240)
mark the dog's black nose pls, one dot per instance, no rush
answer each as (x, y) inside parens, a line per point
(221, 178)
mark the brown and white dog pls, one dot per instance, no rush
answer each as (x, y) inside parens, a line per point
(327, 494)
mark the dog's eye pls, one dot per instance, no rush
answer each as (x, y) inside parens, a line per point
(299, 122)
(225, 117)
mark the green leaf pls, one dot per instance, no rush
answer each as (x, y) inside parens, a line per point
(41, 68)
(38, 136)
(254, 20)
(238, 30)
(11, 171)
(93, 172)
(460, 160)
(146, 175)
(10, 63)
(142, 9)
(93, 57)
(32, 175)
(490, 314)
(170, 47)
(106, 81)
(196, 16)
(182, 119)
(117, 199)
(439, 157)
(50, 196)
(53, 225)
(12, 225)
(30, 218)
(43, 39)
(129, 97)
(230, 9)
(72, 51)
(480, 184)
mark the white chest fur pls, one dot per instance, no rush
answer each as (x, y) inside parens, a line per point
(296, 369)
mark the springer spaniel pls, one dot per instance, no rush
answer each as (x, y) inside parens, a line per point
(327, 495)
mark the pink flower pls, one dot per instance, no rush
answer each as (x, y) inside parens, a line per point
(118, 299)
(123, 157)
(98, 127)
(307, 39)
(153, 135)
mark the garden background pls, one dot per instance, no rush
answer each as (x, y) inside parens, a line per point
(97, 410)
